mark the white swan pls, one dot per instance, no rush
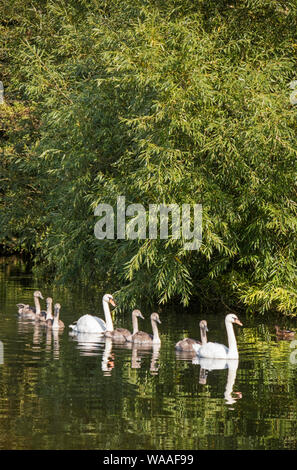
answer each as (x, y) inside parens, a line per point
(220, 351)
(91, 324)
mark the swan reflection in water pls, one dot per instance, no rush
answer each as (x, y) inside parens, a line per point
(107, 363)
(108, 357)
(141, 351)
(207, 365)
(137, 354)
(26, 327)
(53, 342)
(1, 353)
(92, 344)
(189, 356)
(38, 329)
(88, 344)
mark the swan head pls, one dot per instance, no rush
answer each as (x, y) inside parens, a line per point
(109, 299)
(57, 309)
(232, 318)
(48, 301)
(155, 317)
(137, 313)
(37, 293)
(203, 325)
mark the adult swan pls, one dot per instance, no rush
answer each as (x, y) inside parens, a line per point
(91, 324)
(220, 351)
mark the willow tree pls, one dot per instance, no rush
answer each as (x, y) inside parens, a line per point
(163, 102)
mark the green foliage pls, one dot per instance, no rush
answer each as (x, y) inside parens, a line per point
(163, 102)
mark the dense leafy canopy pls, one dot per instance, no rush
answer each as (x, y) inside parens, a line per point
(174, 101)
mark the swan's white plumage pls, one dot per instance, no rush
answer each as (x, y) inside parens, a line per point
(220, 351)
(89, 324)
(92, 324)
(213, 350)
(196, 347)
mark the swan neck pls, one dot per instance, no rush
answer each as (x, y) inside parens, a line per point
(203, 336)
(56, 319)
(135, 324)
(156, 337)
(37, 305)
(49, 315)
(231, 340)
(107, 314)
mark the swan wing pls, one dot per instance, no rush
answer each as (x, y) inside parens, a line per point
(196, 346)
(187, 344)
(213, 350)
(89, 324)
(100, 322)
(26, 308)
(22, 305)
(141, 337)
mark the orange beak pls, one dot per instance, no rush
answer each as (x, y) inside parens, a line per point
(238, 322)
(112, 302)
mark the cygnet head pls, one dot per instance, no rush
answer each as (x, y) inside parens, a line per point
(203, 325)
(109, 299)
(37, 293)
(137, 313)
(48, 301)
(232, 318)
(155, 317)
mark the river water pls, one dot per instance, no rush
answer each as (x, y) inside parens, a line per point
(59, 391)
